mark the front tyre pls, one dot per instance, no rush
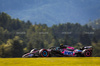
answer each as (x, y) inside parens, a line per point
(44, 53)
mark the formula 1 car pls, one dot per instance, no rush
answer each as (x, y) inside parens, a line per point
(62, 51)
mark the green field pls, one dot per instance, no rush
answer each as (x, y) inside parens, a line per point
(51, 61)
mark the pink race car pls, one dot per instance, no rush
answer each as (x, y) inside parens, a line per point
(62, 51)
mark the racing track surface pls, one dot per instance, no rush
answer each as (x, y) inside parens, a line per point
(51, 61)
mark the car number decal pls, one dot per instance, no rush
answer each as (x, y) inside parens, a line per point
(68, 53)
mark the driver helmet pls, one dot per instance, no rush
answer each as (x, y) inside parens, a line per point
(62, 46)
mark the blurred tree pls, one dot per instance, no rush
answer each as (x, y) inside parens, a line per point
(95, 40)
(96, 49)
(29, 46)
(2, 51)
(84, 39)
(17, 46)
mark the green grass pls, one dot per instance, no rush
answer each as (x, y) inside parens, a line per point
(51, 61)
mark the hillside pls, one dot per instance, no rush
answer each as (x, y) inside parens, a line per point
(52, 11)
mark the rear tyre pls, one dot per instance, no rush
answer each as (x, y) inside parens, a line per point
(87, 53)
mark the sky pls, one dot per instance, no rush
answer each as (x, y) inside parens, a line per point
(52, 11)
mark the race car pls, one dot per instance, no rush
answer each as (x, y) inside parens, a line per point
(62, 51)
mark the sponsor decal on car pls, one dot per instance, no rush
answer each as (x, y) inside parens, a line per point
(68, 53)
(30, 55)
